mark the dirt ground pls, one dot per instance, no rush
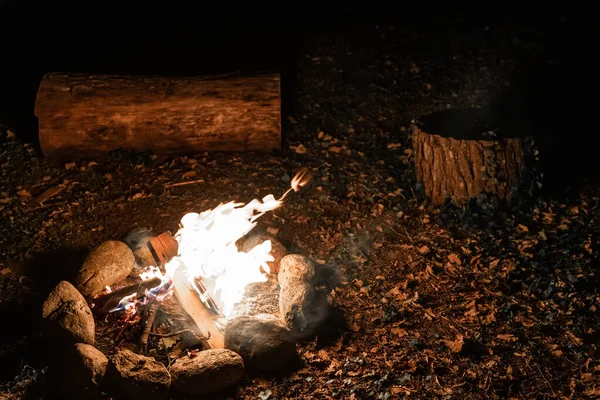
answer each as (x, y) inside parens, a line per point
(438, 303)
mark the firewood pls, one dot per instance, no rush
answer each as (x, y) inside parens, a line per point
(149, 318)
(108, 301)
(85, 115)
(204, 319)
(163, 248)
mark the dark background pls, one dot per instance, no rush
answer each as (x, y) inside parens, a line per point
(554, 90)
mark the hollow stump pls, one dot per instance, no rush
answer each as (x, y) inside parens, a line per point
(460, 154)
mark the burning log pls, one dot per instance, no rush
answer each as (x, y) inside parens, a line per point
(108, 301)
(193, 305)
(460, 155)
(90, 115)
(163, 248)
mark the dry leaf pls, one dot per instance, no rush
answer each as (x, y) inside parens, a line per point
(456, 345)
(507, 337)
(454, 259)
(424, 249)
(523, 228)
(335, 149)
(300, 149)
(189, 174)
(399, 332)
(69, 165)
(24, 194)
(394, 145)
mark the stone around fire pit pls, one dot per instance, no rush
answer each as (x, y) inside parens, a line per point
(67, 318)
(207, 372)
(85, 371)
(140, 377)
(278, 250)
(110, 262)
(262, 341)
(302, 307)
(295, 267)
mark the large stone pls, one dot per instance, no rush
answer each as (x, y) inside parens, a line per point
(262, 341)
(294, 268)
(278, 250)
(140, 377)
(207, 371)
(105, 265)
(67, 318)
(85, 371)
(302, 308)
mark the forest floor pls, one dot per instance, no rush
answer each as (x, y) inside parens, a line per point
(439, 302)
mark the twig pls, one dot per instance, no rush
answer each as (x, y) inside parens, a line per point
(46, 194)
(170, 185)
(543, 376)
(180, 332)
(148, 323)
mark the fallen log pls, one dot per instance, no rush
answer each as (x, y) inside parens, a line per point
(85, 115)
(461, 154)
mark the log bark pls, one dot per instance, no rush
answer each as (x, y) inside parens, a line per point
(85, 115)
(460, 158)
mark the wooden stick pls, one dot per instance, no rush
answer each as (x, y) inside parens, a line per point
(203, 318)
(148, 323)
(112, 299)
(46, 194)
(170, 185)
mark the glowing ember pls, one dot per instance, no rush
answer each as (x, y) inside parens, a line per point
(207, 252)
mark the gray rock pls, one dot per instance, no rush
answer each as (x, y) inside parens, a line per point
(85, 371)
(140, 377)
(105, 265)
(207, 372)
(262, 341)
(278, 250)
(294, 268)
(67, 318)
(302, 308)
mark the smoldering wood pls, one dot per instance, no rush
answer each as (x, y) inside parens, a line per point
(460, 154)
(163, 248)
(107, 301)
(193, 306)
(87, 115)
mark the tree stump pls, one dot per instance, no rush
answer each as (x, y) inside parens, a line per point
(85, 115)
(461, 154)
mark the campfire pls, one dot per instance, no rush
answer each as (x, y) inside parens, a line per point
(184, 296)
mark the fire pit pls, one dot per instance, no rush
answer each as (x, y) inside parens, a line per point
(192, 311)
